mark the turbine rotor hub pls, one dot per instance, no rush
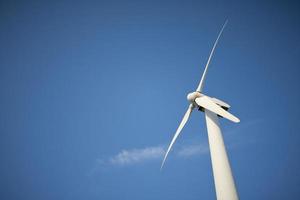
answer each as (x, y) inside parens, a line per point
(192, 96)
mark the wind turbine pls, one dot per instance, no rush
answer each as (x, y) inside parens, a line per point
(213, 109)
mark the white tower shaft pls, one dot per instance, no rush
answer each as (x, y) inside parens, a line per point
(224, 182)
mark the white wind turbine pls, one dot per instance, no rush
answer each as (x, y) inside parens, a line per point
(213, 109)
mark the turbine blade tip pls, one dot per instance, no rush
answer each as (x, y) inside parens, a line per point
(236, 120)
(162, 165)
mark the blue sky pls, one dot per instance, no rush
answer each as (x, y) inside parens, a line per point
(92, 93)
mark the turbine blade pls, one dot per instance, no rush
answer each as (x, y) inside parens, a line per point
(208, 104)
(220, 102)
(181, 125)
(200, 86)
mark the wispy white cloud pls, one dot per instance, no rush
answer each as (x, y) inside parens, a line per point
(133, 156)
(128, 157)
(192, 150)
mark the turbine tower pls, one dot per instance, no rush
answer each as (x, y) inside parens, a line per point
(213, 109)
